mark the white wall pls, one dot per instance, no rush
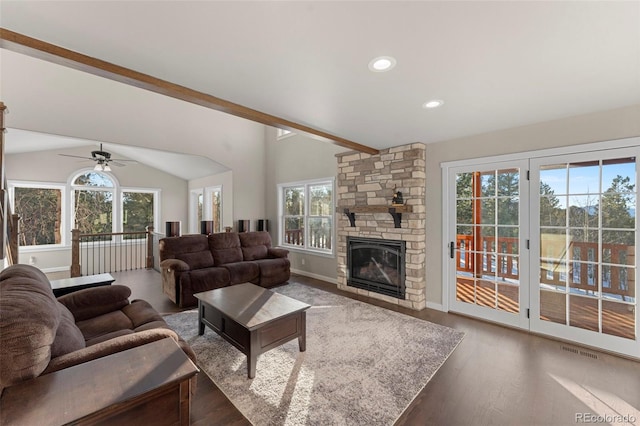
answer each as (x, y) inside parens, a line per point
(603, 126)
(292, 159)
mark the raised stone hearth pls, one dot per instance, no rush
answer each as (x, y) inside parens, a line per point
(365, 186)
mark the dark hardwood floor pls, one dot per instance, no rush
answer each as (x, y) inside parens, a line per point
(496, 376)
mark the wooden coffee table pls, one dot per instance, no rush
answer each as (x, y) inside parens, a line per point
(253, 319)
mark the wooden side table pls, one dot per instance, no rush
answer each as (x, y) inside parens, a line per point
(149, 384)
(69, 285)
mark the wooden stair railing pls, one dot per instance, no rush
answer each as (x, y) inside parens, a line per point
(103, 253)
(8, 220)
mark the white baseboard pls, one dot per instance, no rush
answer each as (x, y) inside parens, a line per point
(436, 306)
(56, 269)
(316, 276)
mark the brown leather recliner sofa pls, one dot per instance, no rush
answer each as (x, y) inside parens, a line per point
(195, 263)
(40, 334)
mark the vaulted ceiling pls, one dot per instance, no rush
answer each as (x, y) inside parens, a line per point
(495, 65)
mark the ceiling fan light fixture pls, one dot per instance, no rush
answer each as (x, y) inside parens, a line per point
(106, 168)
(98, 167)
(382, 64)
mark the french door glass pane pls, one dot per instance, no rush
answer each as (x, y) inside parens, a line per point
(587, 245)
(487, 242)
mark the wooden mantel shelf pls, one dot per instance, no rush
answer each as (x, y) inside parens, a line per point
(394, 211)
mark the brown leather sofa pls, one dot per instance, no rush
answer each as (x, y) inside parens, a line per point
(40, 334)
(195, 263)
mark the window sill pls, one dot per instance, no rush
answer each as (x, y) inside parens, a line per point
(300, 250)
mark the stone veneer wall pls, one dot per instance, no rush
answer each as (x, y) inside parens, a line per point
(369, 180)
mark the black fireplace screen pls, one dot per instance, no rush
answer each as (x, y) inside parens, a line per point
(377, 265)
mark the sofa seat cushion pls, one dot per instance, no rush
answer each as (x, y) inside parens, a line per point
(204, 279)
(68, 338)
(273, 271)
(108, 336)
(242, 272)
(154, 325)
(225, 248)
(104, 324)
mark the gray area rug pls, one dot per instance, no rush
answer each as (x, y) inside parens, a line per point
(363, 364)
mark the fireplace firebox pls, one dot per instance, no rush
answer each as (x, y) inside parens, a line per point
(377, 265)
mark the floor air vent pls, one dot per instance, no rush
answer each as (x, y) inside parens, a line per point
(580, 352)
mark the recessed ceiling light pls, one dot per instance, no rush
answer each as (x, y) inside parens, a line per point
(434, 103)
(382, 64)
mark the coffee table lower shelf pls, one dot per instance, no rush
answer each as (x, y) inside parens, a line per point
(258, 338)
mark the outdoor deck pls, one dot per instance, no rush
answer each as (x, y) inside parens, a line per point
(618, 319)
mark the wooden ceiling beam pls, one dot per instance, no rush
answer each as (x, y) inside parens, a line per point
(20, 43)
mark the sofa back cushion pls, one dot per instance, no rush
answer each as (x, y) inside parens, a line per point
(192, 249)
(29, 319)
(225, 248)
(255, 245)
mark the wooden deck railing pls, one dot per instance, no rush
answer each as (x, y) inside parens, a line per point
(111, 252)
(317, 239)
(499, 258)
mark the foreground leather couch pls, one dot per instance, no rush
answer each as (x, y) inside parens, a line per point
(195, 263)
(40, 334)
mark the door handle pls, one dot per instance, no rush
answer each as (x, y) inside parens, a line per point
(452, 249)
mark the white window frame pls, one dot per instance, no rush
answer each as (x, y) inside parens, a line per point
(194, 223)
(156, 205)
(283, 134)
(115, 189)
(306, 184)
(64, 209)
(207, 213)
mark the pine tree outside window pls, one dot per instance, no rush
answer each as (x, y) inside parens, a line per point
(306, 211)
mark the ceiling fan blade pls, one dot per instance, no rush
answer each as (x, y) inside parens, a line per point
(116, 163)
(123, 160)
(76, 156)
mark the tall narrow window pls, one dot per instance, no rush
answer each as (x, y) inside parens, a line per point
(215, 205)
(306, 210)
(40, 211)
(196, 206)
(137, 211)
(93, 203)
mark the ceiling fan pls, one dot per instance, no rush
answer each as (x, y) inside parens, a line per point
(103, 159)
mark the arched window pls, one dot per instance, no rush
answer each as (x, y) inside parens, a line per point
(93, 203)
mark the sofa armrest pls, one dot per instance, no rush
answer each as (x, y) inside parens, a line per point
(174, 264)
(277, 252)
(109, 347)
(93, 302)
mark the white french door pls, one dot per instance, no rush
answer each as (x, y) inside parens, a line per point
(583, 259)
(487, 240)
(548, 244)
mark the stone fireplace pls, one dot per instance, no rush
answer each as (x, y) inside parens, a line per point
(366, 185)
